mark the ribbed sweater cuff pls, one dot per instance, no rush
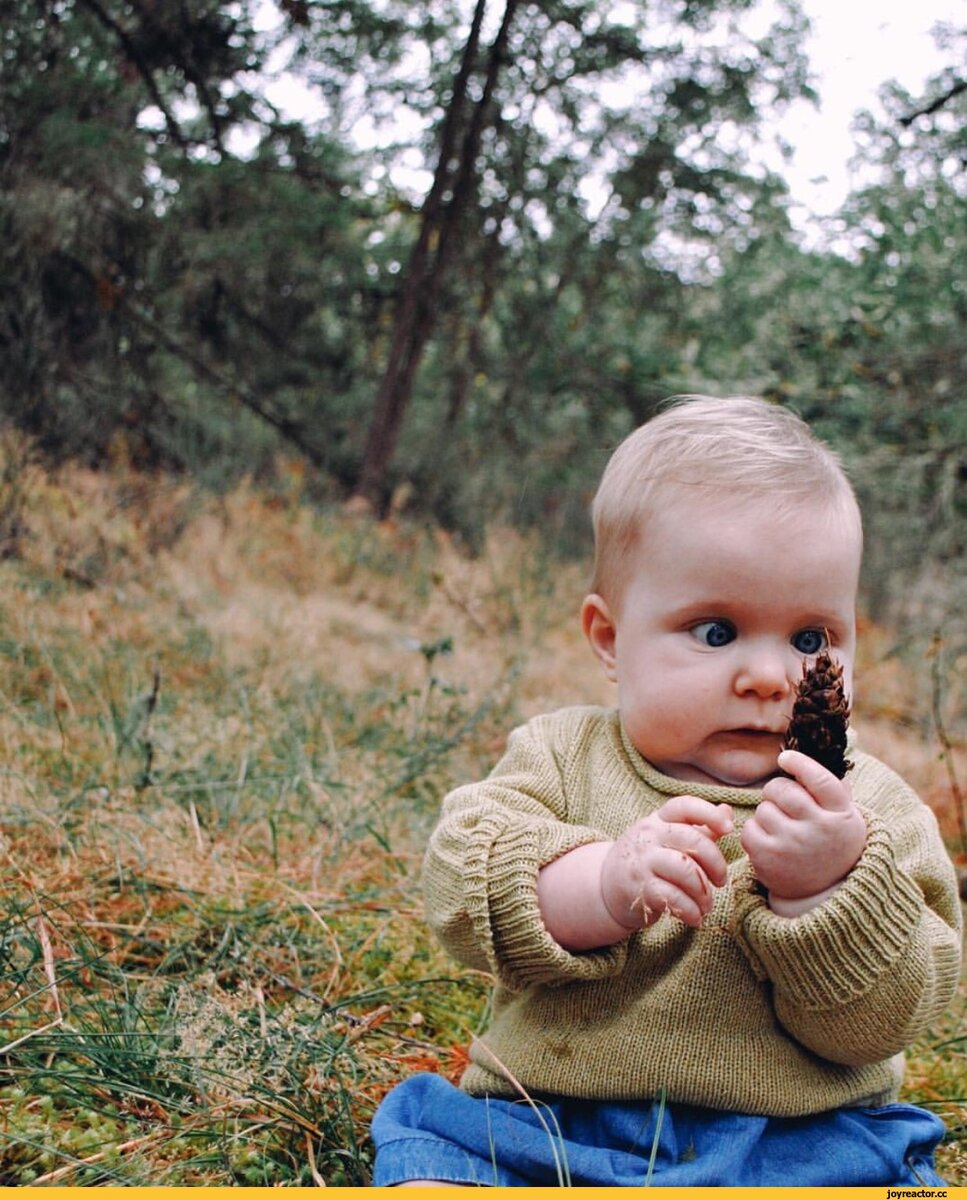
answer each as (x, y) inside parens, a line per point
(501, 898)
(839, 950)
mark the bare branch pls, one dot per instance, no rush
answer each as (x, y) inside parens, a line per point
(928, 110)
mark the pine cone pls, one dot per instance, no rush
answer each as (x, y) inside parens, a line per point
(820, 716)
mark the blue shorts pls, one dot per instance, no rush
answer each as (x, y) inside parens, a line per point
(428, 1129)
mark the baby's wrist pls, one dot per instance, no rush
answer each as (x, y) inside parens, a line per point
(796, 906)
(630, 923)
(625, 917)
(572, 903)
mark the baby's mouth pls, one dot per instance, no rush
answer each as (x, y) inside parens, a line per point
(754, 735)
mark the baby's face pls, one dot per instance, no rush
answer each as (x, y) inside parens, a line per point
(712, 628)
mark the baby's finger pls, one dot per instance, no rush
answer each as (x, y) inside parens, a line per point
(662, 895)
(691, 810)
(755, 838)
(788, 797)
(683, 873)
(698, 845)
(770, 818)
(828, 791)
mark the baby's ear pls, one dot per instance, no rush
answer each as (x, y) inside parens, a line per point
(599, 628)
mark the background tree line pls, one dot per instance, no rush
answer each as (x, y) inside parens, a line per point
(195, 281)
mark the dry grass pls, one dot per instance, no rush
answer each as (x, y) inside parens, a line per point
(226, 725)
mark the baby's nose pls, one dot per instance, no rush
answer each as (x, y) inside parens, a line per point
(764, 672)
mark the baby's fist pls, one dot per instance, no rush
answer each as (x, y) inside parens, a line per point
(667, 862)
(806, 835)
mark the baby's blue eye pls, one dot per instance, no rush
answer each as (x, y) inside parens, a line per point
(714, 633)
(809, 641)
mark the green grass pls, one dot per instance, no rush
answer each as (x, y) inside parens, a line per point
(222, 754)
(219, 970)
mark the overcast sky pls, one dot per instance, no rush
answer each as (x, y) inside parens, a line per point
(856, 46)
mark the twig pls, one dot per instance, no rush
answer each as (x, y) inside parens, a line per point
(33, 1033)
(196, 826)
(560, 1161)
(358, 1026)
(150, 704)
(133, 1144)
(317, 1178)
(959, 85)
(936, 708)
(48, 953)
(338, 962)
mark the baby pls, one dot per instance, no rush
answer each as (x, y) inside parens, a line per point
(709, 952)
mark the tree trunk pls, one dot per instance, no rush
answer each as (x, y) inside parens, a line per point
(446, 204)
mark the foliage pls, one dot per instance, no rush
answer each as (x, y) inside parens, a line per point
(232, 277)
(190, 279)
(227, 725)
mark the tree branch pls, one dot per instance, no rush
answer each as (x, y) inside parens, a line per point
(135, 56)
(955, 89)
(289, 429)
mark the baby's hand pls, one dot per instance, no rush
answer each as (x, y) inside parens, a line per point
(806, 835)
(668, 861)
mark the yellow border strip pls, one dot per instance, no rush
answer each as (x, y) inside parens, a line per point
(659, 1193)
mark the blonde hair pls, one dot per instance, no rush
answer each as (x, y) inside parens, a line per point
(734, 448)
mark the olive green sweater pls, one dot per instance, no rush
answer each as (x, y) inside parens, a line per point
(752, 1012)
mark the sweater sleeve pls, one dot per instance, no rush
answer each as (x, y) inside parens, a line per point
(861, 976)
(481, 867)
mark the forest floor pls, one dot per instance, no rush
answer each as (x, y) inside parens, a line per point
(226, 725)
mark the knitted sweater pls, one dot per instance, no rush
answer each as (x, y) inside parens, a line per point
(753, 1012)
